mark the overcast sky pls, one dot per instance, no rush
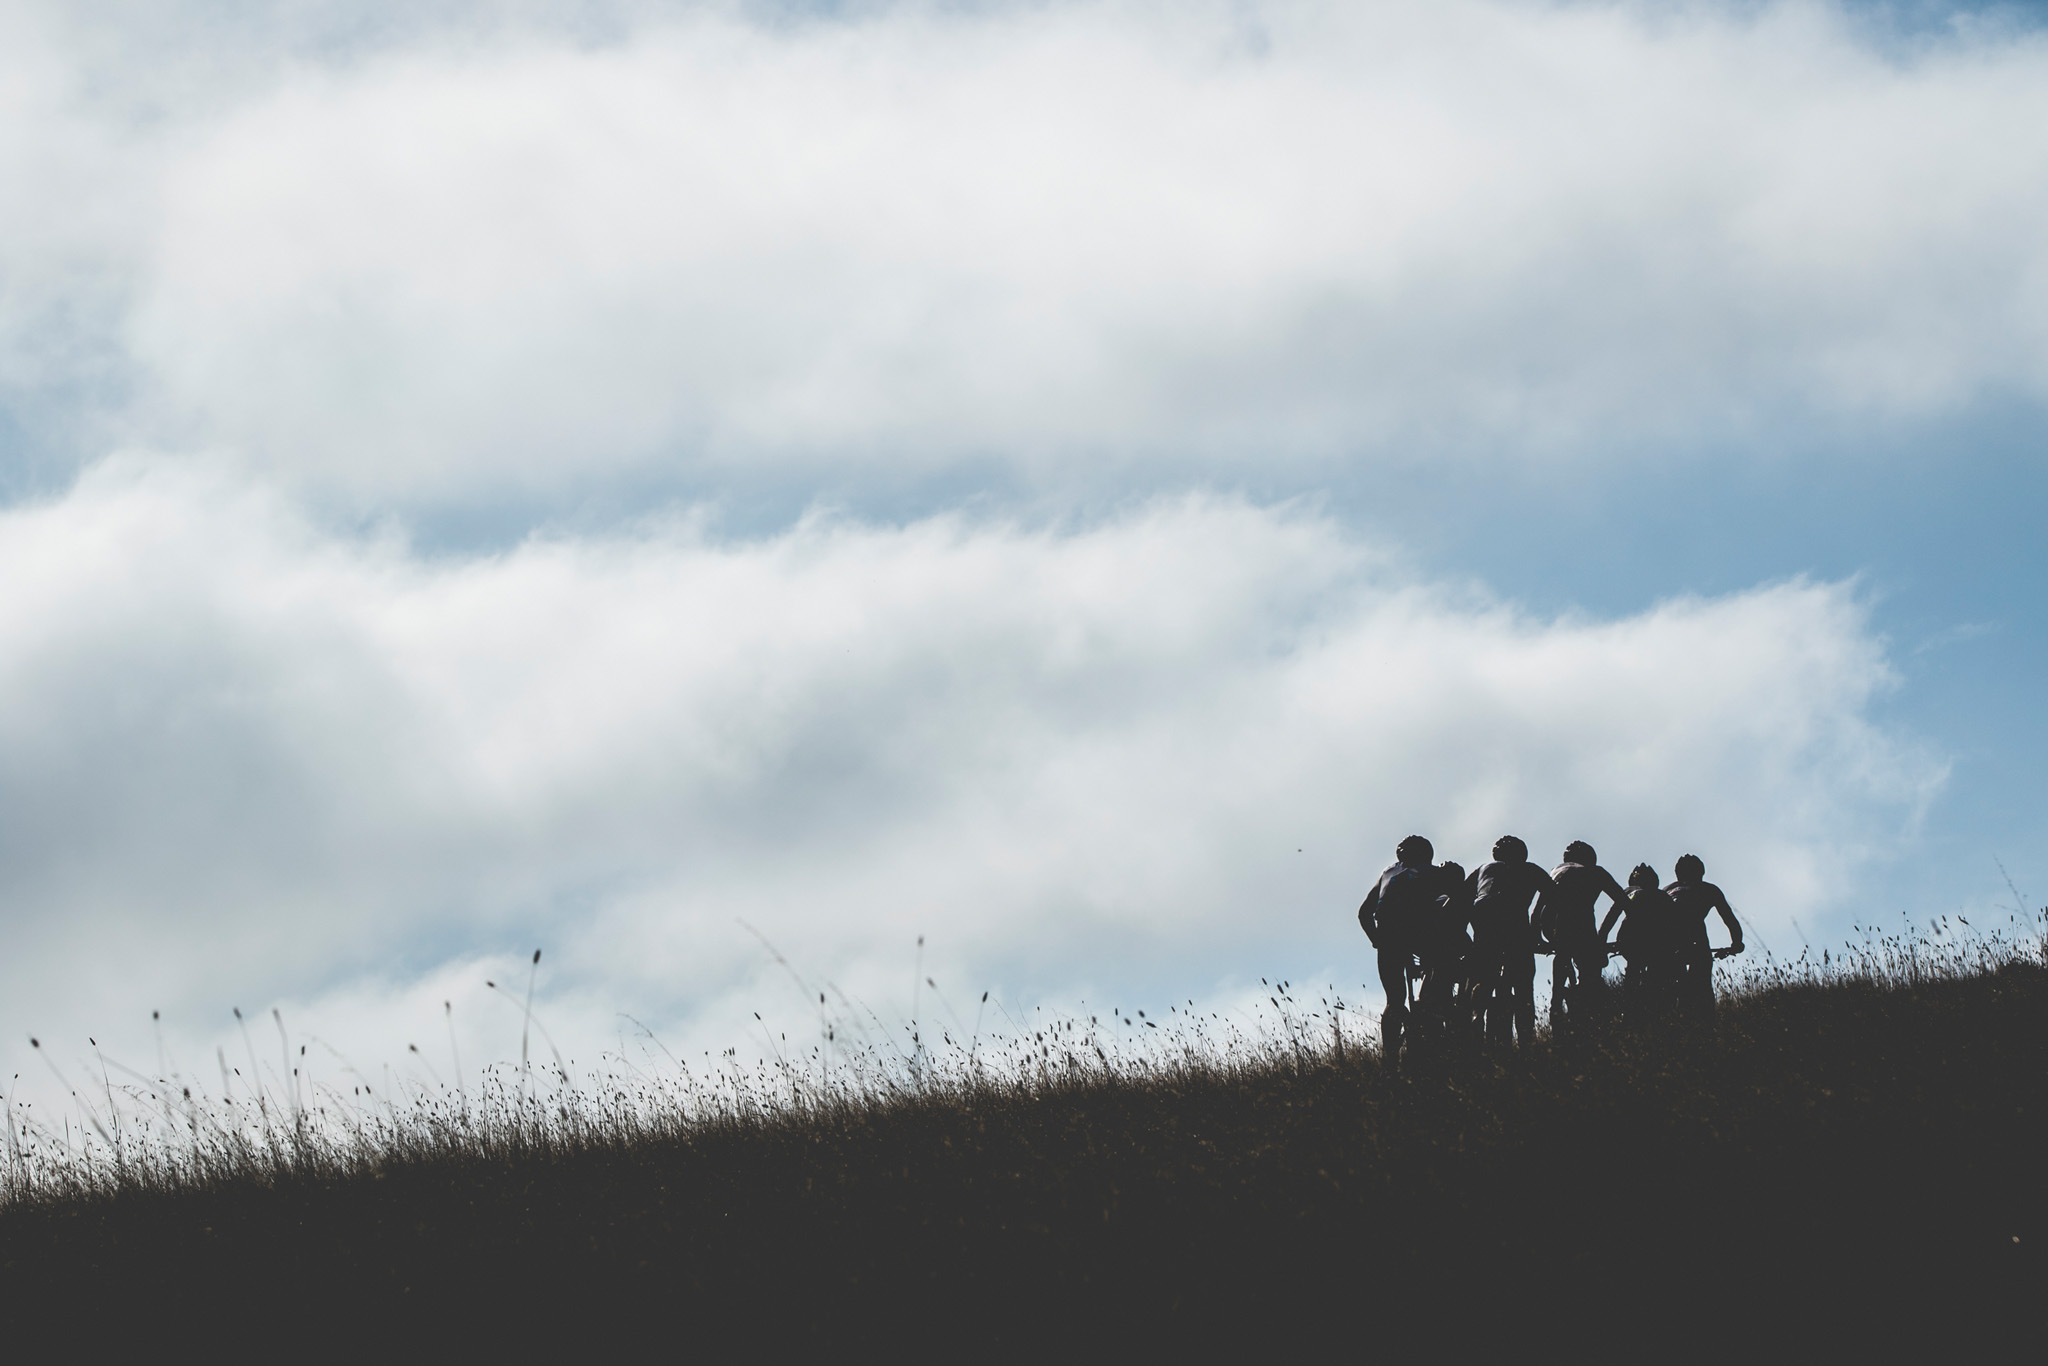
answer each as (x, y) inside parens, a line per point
(1076, 482)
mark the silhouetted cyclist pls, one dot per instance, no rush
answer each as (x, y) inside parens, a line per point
(1445, 951)
(1395, 916)
(1579, 948)
(1696, 899)
(1504, 940)
(1649, 939)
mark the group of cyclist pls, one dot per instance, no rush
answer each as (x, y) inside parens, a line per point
(1468, 943)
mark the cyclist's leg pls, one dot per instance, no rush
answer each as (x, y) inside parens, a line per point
(1699, 983)
(1500, 1005)
(1394, 982)
(1458, 1014)
(1522, 988)
(1393, 968)
(1590, 1000)
(1669, 986)
(1657, 987)
(1441, 971)
(1432, 998)
(1488, 1006)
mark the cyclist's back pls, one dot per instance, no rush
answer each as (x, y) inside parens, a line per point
(1445, 951)
(1502, 892)
(1580, 883)
(1450, 932)
(1649, 938)
(1695, 899)
(1396, 916)
(1503, 940)
(1578, 943)
(1692, 903)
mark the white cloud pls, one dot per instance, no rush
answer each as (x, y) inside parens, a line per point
(1131, 249)
(242, 760)
(1066, 239)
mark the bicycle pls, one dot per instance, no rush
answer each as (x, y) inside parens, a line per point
(1662, 981)
(1434, 1001)
(1499, 1002)
(1572, 998)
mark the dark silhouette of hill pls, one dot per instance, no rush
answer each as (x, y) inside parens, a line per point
(1833, 1165)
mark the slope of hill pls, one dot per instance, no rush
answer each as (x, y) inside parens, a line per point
(1843, 1160)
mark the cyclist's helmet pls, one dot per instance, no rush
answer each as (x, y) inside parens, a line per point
(1642, 875)
(1578, 851)
(1689, 868)
(1415, 851)
(1508, 849)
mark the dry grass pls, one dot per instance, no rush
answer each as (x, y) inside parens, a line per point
(1858, 1138)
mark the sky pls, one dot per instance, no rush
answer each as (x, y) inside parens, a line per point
(1073, 483)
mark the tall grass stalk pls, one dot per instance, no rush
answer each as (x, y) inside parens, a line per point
(159, 1133)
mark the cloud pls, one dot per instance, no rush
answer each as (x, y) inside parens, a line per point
(326, 267)
(244, 760)
(440, 259)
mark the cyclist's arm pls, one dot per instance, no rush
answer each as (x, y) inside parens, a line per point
(1546, 888)
(1369, 915)
(1619, 897)
(1728, 919)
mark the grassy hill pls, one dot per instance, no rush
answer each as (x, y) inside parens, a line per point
(1855, 1158)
